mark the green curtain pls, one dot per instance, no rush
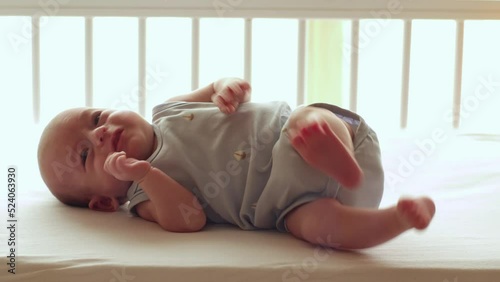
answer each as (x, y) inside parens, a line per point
(324, 61)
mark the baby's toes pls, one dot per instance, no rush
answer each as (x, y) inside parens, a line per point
(298, 142)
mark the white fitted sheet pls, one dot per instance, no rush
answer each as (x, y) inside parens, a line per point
(58, 243)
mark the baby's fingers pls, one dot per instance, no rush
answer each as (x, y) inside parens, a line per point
(234, 89)
(114, 164)
(110, 162)
(233, 94)
(240, 91)
(245, 86)
(131, 164)
(223, 105)
(125, 169)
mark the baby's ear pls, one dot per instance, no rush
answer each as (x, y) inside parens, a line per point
(104, 204)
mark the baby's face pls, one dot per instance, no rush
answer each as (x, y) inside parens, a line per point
(83, 139)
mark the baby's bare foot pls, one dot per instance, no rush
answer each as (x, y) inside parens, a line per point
(416, 213)
(320, 147)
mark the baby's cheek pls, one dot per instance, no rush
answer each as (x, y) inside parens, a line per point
(115, 186)
(137, 148)
(99, 164)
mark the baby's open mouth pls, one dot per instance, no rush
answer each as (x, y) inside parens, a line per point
(116, 139)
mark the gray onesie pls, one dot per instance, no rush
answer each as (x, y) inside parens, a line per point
(242, 167)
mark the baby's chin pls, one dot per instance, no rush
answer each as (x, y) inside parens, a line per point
(139, 148)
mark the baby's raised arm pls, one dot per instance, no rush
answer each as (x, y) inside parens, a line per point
(168, 199)
(226, 93)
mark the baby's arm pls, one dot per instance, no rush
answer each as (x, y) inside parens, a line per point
(226, 93)
(169, 200)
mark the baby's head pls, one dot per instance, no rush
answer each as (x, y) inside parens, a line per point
(74, 146)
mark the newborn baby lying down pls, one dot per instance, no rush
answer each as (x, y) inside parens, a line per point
(212, 156)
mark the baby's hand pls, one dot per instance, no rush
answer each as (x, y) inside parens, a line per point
(231, 95)
(126, 169)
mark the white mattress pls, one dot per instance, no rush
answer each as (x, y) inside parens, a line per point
(57, 243)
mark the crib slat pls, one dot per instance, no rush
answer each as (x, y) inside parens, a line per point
(89, 61)
(142, 66)
(301, 77)
(459, 53)
(35, 48)
(405, 85)
(195, 56)
(248, 51)
(353, 97)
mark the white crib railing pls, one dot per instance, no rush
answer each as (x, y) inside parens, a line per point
(248, 10)
(348, 9)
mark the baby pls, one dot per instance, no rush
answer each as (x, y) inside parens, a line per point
(211, 155)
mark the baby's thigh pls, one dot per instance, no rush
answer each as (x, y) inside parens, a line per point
(292, 182)
(369, 193)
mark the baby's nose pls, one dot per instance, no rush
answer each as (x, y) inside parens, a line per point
(99, 136)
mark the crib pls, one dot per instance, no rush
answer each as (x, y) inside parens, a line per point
(447, 157)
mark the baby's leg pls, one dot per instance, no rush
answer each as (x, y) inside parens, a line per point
(327, 222)
(324, 142)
